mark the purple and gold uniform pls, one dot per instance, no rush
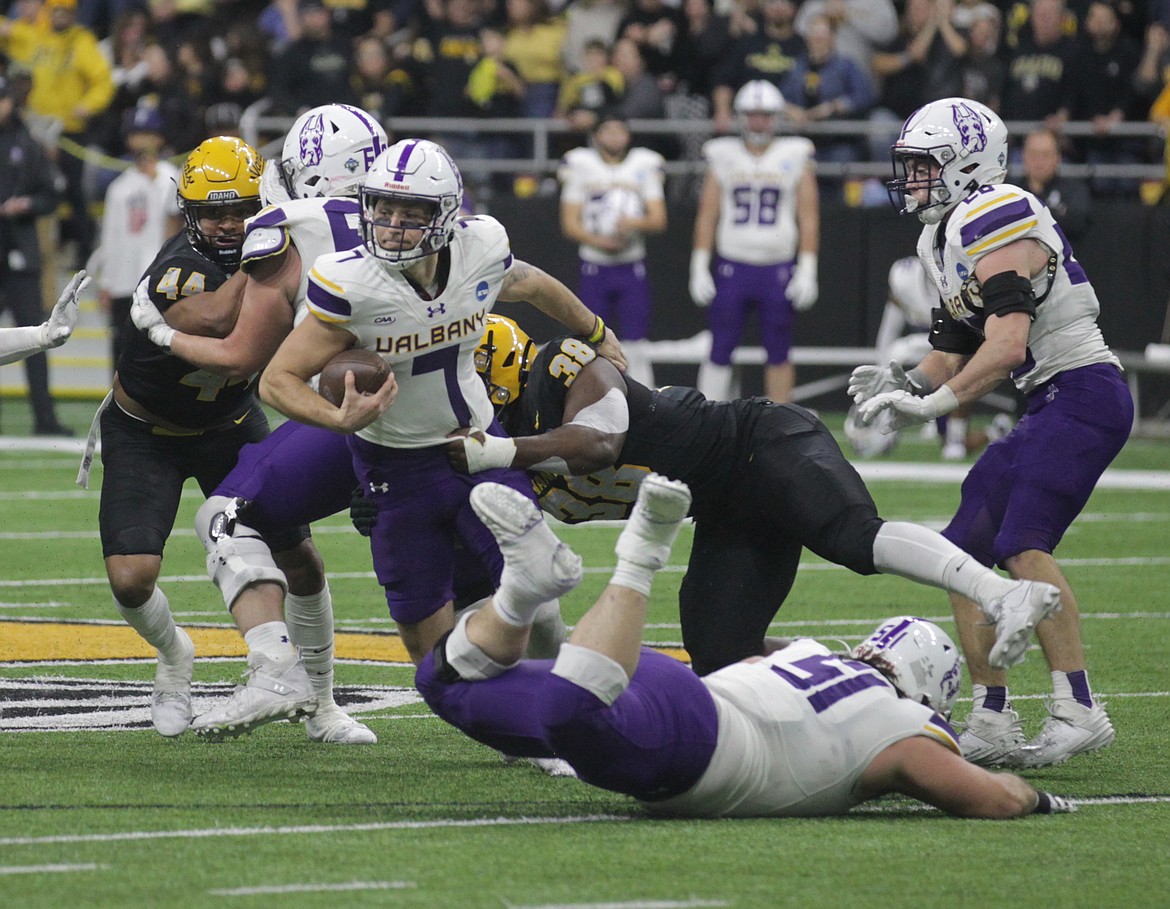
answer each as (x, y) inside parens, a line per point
(788, 735)
(767, 480)
(400, 458)
(1027, 488)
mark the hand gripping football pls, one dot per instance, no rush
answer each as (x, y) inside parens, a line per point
(369, 370)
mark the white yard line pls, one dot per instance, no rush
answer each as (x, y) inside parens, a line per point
(50, 869)
(314, 888)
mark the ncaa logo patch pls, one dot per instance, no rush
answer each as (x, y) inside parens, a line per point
(481, 291)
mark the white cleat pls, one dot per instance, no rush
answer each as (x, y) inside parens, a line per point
(1016, 614)
(991, 738)
(654, 523)
(170, 702)
(1070, 729)
(554, 767)
(276, 690)
(536, 564)
(334, 726)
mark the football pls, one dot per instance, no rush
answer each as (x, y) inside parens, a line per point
(368, 368)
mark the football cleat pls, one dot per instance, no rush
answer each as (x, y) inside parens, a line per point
(334, 726)
(991, 738)
(537, 566)
(170, 702)
(654, 523)
(276, 690)
(1070, 729)
(1015, 615)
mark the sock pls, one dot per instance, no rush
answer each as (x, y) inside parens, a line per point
(154, 623)
(467, 658)
(513, 608)
(270, 640)
(918, 553)
(989, 697)
(634, 576)
(1072, 686)
(310, 627)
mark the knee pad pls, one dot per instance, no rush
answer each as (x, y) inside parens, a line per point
(237, 556)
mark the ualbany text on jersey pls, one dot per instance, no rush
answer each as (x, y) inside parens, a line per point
(470, 326)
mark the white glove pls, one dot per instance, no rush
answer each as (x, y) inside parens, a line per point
(702, 284)
(867, 381)
(148, 319)
(907, 409)
(63, 318)
(802, 286)
(484, 452)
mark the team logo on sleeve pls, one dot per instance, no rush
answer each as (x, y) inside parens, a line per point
(481, 291)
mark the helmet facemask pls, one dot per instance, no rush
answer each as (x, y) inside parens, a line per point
(220, 179)
(918, 169)
(503, 360)
(378, 230)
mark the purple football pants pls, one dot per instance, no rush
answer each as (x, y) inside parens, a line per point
(620, 294)
(1027, 488)
(738, 289)
(654, 742)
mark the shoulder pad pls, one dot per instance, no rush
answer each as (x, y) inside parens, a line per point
(992, 217)
(263, 243)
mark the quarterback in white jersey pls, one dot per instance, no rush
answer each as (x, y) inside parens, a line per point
(801, 732)
(760, 217)
(611, 198)
(1015, 303)
(417, 292)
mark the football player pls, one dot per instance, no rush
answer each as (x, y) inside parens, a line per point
(168, 419)
(20, 342)
(800, 732)
(1015, 302)
(417, 291)
(300, 473)
(611, 198)
(760, 216)
(767, 479)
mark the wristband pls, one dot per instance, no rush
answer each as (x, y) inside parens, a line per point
(488, 453)
(598, 331)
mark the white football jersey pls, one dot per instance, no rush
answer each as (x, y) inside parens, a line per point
(757, 210)
(796, 731)
(609, 192)
(1064, 334)
(317, 227)
(430, 344)
(913, 292)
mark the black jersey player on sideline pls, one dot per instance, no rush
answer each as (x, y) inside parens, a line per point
(766, 479)
(170, 420)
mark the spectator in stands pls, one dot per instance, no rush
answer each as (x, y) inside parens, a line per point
(235, 83)
(824, 85)
(1039, 68)
(642, 98)
(919, 65)
(26, 193)
(662, 35)
(1067, 198)
(589, 20)
(383, 86)
(165, 89)
(861, 26)
(769, 53)
(494, 86)
(314, 69)
(1150, 80)
(449, 47)
(72, 84)
(533, 48)
(140, 214)
(1104, 66)
(981, 71)
(584, 95)
(710, 40)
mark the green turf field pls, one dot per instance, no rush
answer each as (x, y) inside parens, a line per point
(110, 814)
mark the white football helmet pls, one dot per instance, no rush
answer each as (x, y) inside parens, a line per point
(964, 138)
(414, 170)
(329, 150)
(758, 96)
(918, 657)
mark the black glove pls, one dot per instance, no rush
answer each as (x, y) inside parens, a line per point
(362, 512)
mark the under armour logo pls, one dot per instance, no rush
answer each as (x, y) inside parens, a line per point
(440, 310)
(385, 487)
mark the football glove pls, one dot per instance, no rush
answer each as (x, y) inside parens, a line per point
(63, 318)
(868, 381)
(802, 287)
(702, 284)
(906, 409)
(148, 319)
(1047, 803)
(362, 512)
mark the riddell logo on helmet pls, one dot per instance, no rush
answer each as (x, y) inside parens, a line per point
(405, 187)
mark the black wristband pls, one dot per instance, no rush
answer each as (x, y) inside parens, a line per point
(1043, 803)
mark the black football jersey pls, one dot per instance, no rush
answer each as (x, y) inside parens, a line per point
(673, 431)
(164, 384)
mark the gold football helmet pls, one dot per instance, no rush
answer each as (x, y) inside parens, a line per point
(220, 182)
(503, 359)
